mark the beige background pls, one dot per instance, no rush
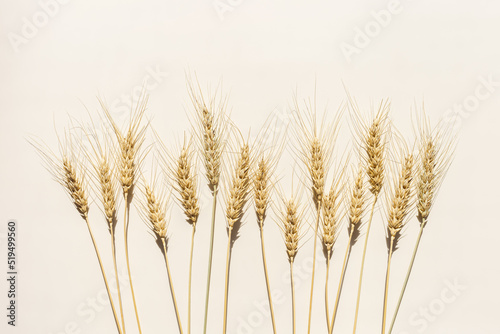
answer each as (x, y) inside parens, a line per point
(53, 67)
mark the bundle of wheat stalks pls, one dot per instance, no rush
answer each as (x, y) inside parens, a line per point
(405, 175)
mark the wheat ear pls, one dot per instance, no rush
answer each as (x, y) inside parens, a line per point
(397, 212)
(374, 144)
(290, 219)
(330, 227)
(129, 160)
(154, 211)
(236, 198)
(262, 193)
(108, 198)
(435, 155)
(355, 210)
(210, 130)
(186, 180)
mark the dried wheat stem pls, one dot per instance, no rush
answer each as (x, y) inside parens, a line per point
(155, 209)
(261, 187)
(113, 250)
(387, 274)
(356, 206)
(326, 290)
(314, 264)
(104, 277)
(234, 208)
(164, 243)
(190, 277)
(330, 226)
(341, 282)
(399, 207)
(415, 249)
(317, 172)
(212, 146)
(268, 286)
(187, 188)
(290, 226)
(374, 147)
(363, 263)
(293, 295)
(125, 233)
(210, 255)
(108, 198)
(226, 284)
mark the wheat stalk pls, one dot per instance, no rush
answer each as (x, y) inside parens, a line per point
(186, 179)
(262, 193)
(210, 128)
(374, 145)
(70, 174)
(236, 198)
(355, 209)
(435, 155)
(129, 160)
(330, 227)
(398, 209)
(154, 208)
(290, 219)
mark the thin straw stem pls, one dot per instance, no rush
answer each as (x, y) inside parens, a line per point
(387, 282)
(210, 252)
(113, 250)
(190, 276)
(422, 225)
(125, 234)
(341, 282)
(326, 291)
(314, 266)
(104, 277)
(363, 263)
(293, 295)
(171, 285)
(226, 287)
(261, 227)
